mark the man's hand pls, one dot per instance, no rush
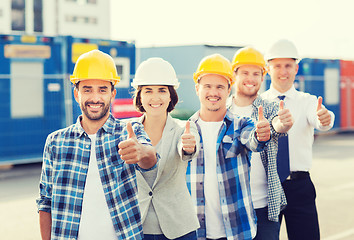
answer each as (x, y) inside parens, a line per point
(262, 127)
(285, 118)
(130, 149)
(188, 140)
(322, 113)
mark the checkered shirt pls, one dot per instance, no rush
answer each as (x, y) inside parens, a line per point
(235, 140)
(276, 195)
(65, 164)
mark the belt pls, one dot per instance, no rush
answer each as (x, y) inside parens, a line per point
(298, 175)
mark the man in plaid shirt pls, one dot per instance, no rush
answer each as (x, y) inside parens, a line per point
(219, 178)
(88, 182)
(267, 192)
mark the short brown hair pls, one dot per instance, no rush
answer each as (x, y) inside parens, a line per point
(139, 106)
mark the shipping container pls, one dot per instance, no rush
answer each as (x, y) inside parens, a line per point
(36, 96)
(319, 77)
(347, 95)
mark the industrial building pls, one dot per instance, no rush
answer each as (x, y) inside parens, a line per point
(78, 18)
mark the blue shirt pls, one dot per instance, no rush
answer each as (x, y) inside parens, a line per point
(235, 141)
(65, 164)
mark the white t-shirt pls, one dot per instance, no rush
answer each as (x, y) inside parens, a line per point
(213, 216)
(259, 183)
(96, 221)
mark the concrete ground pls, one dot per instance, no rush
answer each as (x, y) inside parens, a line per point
(332, 174)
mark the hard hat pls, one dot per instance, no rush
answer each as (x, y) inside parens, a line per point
(248, 56)
(155, 71)
(282, 49)
(95, 65)
(215, 64)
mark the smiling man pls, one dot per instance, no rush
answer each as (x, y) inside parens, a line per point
(219, 178)
(267, 193)
(88, 182)
(301, 213)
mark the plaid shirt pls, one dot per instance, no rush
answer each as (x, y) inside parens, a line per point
(65, 165)
(276, 196)
(235, 140)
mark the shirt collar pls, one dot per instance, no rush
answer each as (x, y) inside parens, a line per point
(168, 125)
(288, 94)
(229, 116)
(107, 127)
(258, 101)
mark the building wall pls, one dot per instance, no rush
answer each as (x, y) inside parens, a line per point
(84, 19)
(78, 18)
(5, 16)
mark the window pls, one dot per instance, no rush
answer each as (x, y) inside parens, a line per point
(331, 85)
(27, 98)
(123, 69)
(18, 16)
(77, 19)
(38, 15)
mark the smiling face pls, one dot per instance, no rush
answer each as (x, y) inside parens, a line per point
(282, 72)
(94, 98)
(249, 79)
(155, 99)
(213, 90)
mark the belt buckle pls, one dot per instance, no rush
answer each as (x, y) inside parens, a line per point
(289, 177)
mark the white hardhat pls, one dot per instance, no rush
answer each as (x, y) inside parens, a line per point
(282, 49)
(155, 71)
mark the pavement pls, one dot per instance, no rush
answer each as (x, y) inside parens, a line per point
(332, 174)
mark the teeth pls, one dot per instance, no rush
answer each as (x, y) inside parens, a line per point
(213, 99)
(155, 105)
(95, 106)
(249, 85)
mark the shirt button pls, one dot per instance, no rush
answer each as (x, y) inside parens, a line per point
(87, 146)
(150, 193)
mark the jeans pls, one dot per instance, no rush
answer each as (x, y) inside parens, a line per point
(188, 236)
(266, 230)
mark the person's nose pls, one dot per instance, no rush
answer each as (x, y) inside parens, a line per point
(156, 96)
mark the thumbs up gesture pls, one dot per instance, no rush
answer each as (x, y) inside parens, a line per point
(130, 149)
(188, 140)
(262, 127)
(322, 113)
(285, 117)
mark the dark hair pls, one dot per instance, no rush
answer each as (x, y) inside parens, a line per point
(77, 86)
(139, 106)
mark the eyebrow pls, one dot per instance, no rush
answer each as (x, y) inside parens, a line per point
(89, 87)
(147, 88)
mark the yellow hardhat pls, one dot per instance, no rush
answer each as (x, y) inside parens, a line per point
(95, 65)
(215, 64)
(248, 56)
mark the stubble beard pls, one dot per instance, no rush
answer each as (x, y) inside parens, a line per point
(93, 117)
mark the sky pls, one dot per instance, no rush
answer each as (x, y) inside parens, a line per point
(319, 28)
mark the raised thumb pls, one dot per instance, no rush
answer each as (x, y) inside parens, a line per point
(319, 103)
(281, 105)
(260, 113)
(188, 127)
(130, 130)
